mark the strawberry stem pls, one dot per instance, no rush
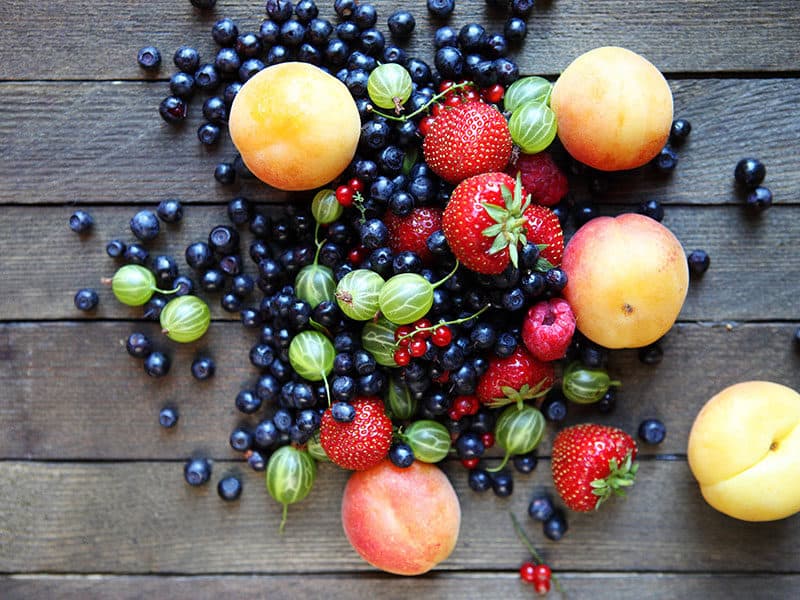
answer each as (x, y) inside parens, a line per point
(618, 478)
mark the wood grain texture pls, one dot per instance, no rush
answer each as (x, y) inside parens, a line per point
(441, 585)
(72, 392)
(92, 143)
(40, 285)
(142, 518)
(55, 41)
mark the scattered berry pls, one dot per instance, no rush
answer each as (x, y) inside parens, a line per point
(229, 488)
(86, 299)
(548, 329)
(699, 261)
(759, 199)
(556, 526)
(81, 221)
(149, 58)
(679, 132)
(541, 508)
(197, 471)
(652, 431)
(749, 172)
(168, 417)
(401, 455)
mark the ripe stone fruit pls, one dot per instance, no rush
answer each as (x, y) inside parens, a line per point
(295, 126)
(613, 108)
(403, 521)
(627, 279)
(744, 451)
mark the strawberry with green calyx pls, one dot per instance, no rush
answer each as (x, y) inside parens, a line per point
(515, 379)
(591, 463)
(411, 232)
(485, 221)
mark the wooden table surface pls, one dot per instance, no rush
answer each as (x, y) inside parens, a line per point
(92, 498)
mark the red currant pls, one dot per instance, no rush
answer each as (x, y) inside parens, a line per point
(355, 255)
(355, 185)
(452, 100)
(470, 463)
(402, 332)
(418, 348)
(344, 195)
(467, 405)
(402, 357)
(441, 336)
(443, 378)
(471, 95)
(493, 94)
(423, 324)
(542, 573)
(526, 572)
(424, 125)
(541, 587)
(445, 85)
(436, 108)
(488, 439)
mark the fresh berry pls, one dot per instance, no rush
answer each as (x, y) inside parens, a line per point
(548, 329)
(542, 573)
(149, 58)
(86, 299)
(467, 140)
(541, 507)
(470, 463)
(197, 471)
(229, 488)
(541, 177)
(652, 431)
(487, 220)
(80, 221)
(541, 587)
(479, 480)
(401, 455)
(503, 484)
(516, 378)
(592, 462)
(525, 463)
(527, 572)
(544, 228)
(441, 336)
(556, 526)
(699, 261)
(168, 417)
(759, 199)
(411, 232)
(680, 130)
(361, 443)
(749, 172)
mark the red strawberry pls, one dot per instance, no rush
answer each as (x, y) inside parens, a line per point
(541, 177)
(592, 462)
(516, 378)
(487, 219)
(544, 228)
(411, 232)
(548, 328)
(363, 442)
(467, 140)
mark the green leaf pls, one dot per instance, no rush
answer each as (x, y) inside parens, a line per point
(513, 254)
(493, 230)
(499, 244)
(542, 264)
(497, 213)
(409, 160)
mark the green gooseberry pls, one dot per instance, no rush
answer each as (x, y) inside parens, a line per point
(377, 338)
(314, 284)
(357, 294)
(406, 298)
(518, 431)
(325, 207)
(315, 449)
(429, 440)
(584, 385)
(311, 355)
(185, 319)
(399, 402)
(533, 127)
(290, 476)
(133, 285)
(527, 89)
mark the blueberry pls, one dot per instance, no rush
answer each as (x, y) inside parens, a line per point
(401, 455)
(479, 480)
(306, 10)
(187, 59)
(449, 61)
(282, 419)
(269, 31)
(522, 8)
(365, 15)
(759, 199)
(680, 130)
(652, 431)
(698, 261)
(197, 471)
(168, 417)
(374, 234)
(278, 54)
(556, 279)
(401, 23)
(279, 10)
(318, 31)
(173, 109)
(153, 307)
(344, 8)
(525, 463)
(471, 37)
(206, 77)
(265, 434)
(240, 439)
(502, 484)
(343, 412)
(507, 71)
(513, 300)
(170, 210)
(156, 364)
(139, 345)
(256, 460)
(223, 240)
(515, 30)
(554, 408)
(144, 225)
(203, 368)
(229, 488)
(608, 402)
(749, 172)
(225, 32)
(541, 507)
(199, 256)
(292, 33)
(652, 209)
(247, 402)
(441, 8)
(86, 299)
(469, 445)
(116, 248)
(149, 58)
(248, 45)
(215, 110)
(555, 527)
(183, 285)
(651, 354)
(666, 160)
(372, 41)
(204, 4)
(224, 173)
(80, 221)
(165, 269)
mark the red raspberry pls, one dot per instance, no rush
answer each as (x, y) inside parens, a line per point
(548, 328)
(541, 177)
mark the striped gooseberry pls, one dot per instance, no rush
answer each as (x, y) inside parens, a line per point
(399, 402)
(134, 285)
(311, 355)
(406, 298)
(357, 294)
(185, 319)
(533, 127)
(290, 476)
(325, 207)
(389, 86)
(314, 284)
(518, 431)
(378, 338)
(584, 385)
(527, 89)
(429, 440)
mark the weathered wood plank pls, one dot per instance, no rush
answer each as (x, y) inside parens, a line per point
(47, 40)
(50, 263)
(72, 392)
(102, 143)
(142, 518)
(443, 585)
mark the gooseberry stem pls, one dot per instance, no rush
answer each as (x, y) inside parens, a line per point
(327, 388)
(448, 276)
(283, 518)
(436, 98)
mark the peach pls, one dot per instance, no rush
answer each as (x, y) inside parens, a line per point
(627, 278)
(403, 521)
(744, 451)
(295, 126)
(613, 109)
